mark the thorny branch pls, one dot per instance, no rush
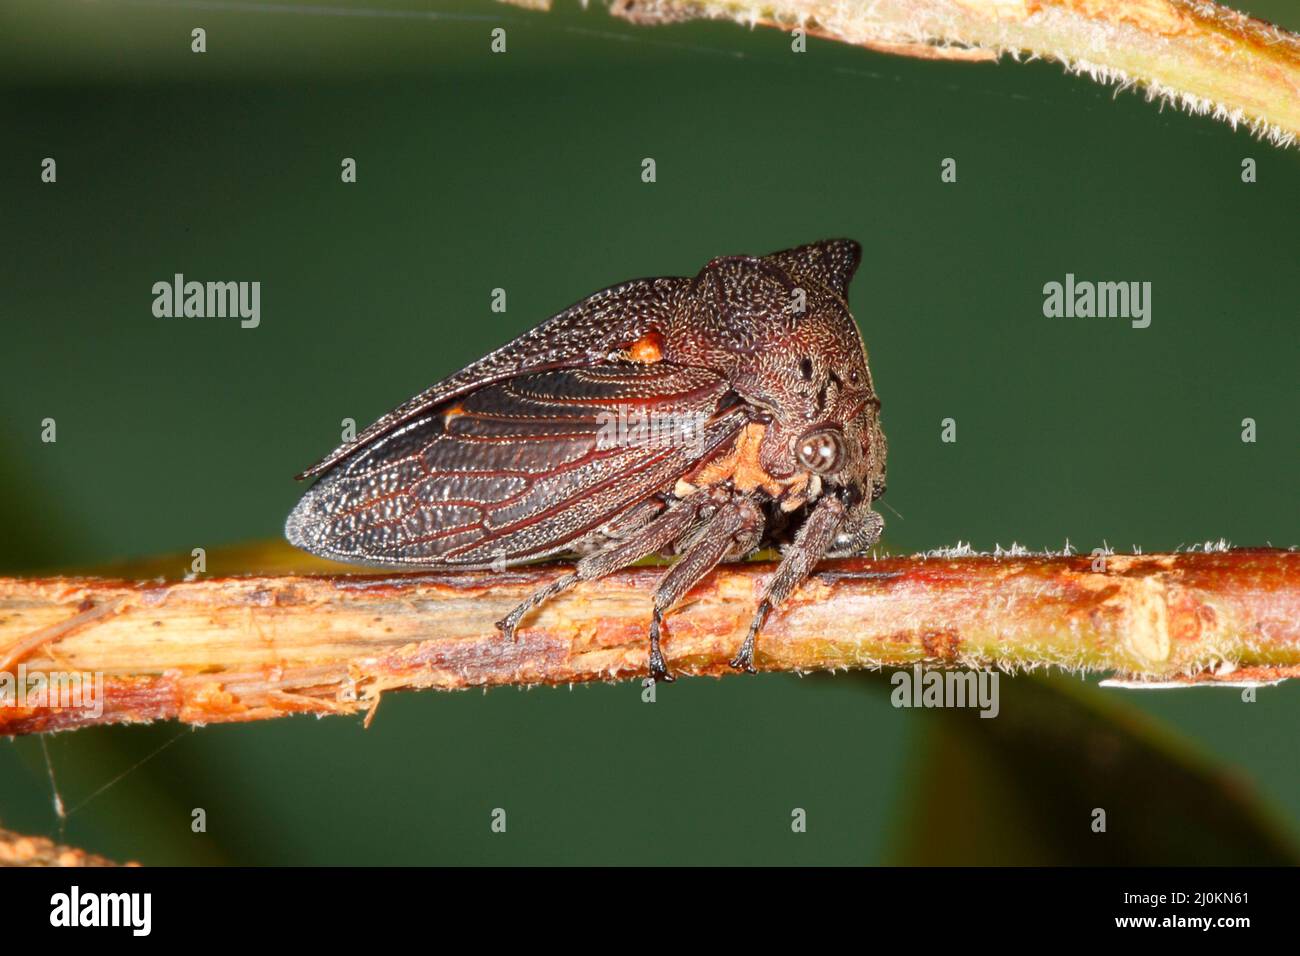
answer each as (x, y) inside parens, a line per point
(1199, 55)
(249, 648)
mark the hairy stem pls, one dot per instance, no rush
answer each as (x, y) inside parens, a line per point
(248, 648)
(1200, 55)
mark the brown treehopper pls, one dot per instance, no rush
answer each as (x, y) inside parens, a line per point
(699, 418)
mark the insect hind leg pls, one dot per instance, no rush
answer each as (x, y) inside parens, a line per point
(660, 532)
(734, 528)
(510, 623)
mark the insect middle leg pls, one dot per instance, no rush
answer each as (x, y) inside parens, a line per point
(809, 546)
(657, 534)
(735, 528)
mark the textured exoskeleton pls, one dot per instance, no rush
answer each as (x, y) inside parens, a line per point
(700, 418)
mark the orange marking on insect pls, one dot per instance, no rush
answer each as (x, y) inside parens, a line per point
(648, 349)
(740, 465)
(455, 411)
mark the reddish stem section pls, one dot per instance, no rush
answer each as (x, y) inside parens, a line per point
(250, 648)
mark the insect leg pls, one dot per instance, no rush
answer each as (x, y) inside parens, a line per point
(810, 544)
(655, 535)
(734, 528)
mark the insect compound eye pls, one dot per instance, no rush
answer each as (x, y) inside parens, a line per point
(821, 451)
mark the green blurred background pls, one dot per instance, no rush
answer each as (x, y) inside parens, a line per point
(522, 171)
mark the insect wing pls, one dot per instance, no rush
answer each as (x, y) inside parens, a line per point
(516, 470)
(581, 336)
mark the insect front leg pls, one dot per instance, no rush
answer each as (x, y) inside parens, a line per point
(810, 545)
(655, 535)
(733, 529)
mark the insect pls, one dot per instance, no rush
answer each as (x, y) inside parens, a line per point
(698, 418)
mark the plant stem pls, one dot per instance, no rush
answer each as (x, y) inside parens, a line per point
(1199, 55)
(249, 648)
(19, 850)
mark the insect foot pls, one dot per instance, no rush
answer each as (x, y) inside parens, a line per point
(658, 670)
(744, 659)
(658, 666)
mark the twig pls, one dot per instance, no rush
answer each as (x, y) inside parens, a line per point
(19, 850)
(248, 648)
(1199, 55)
